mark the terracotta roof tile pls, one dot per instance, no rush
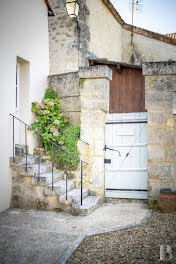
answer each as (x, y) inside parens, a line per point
(171, 35)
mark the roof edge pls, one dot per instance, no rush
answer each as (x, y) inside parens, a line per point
(50, 11)
(113, 11)
(149, 34)
(137, 30)
(107, 62)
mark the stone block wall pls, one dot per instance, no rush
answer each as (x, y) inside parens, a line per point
(94, 95)
(28, 196)
(64, 41)
(160, 88)
(67, 87)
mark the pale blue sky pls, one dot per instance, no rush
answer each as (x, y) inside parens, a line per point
(157, 15)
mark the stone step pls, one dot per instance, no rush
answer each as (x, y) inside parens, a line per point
(89, 204)
(46, 178)
(21, 160)
(73, 196)
(70, 176)
(59, 187)
(33, 169)
(20, 150)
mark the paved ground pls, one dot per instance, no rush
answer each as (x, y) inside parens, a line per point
(34, 237)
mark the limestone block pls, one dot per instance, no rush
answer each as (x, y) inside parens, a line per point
(158, 68)
(160, 83)
(158, 100)
(99, 133)
(156, 118)
(170, 153)
(66, 84)
(95, 105)
(98, 180)
(92, 119)
(17, 189)
(174, 100)
(70, 104)
(161, 170)
(92, 149)
(169, 118)
(98, 191)
(74, 117)
(93, 96)
(97, 165)
(87, 134)
(154, 187)
(15, 172)
(53, 202)
(95, 72)
(95, 86)
(39, 191)
(170, 122)
(160, 135)
(99, 146)
(169, 184)
(156, 153)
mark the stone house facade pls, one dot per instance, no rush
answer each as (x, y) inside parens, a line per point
(108, 38)
(65, 58)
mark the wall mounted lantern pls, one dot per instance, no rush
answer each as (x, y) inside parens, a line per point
(72, 8)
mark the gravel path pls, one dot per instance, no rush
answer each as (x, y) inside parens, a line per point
(135, 245)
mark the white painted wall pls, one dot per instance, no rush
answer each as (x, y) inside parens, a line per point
(145, 49)
(24, 34)
(105, 32)
(109, 40)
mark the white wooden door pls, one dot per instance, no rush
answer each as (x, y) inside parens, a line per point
(126, 173)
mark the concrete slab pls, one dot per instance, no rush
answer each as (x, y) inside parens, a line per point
(20, 245)
(53, 235)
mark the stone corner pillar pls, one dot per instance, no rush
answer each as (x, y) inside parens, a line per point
(94, 93)
(160, 102)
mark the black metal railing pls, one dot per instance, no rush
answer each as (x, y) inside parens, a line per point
(52, 153)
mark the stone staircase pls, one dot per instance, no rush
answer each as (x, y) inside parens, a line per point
(29, 190)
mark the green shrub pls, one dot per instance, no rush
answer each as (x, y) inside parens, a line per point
(70, 144)
(49, 121)
(50, 94)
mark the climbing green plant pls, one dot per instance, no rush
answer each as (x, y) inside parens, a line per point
(81, 81)
(52, 124)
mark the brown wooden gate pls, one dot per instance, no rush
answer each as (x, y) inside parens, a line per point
(127, 90)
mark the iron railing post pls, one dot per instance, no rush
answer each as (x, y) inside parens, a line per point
(39, 162)
(66, 176)
(26, 144)
(52, 170)
(13, 141)
(81, 181)
(53, 144)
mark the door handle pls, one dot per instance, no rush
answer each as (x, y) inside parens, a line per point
(105, 148)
